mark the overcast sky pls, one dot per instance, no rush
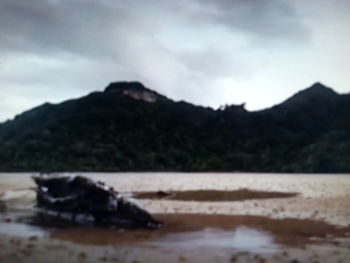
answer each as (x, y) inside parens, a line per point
(203, 51)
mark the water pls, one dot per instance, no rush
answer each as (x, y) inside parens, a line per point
(241, 239)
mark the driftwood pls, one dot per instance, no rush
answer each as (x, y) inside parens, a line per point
(83, 200)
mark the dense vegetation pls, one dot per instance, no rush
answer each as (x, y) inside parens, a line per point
(116, 131)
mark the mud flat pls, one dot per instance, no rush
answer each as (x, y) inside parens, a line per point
(221, 218)
(213, 195)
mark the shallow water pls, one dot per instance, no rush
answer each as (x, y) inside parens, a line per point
(242, 238)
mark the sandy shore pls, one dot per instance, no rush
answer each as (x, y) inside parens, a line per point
(311, 225)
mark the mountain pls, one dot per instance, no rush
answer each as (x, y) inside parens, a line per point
(129, 127)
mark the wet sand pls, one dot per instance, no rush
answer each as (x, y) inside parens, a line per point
(229, 220)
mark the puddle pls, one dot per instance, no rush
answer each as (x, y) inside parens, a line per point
(242, 238)
(209, 230)
(212, 195)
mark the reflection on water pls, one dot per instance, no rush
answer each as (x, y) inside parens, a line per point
(242, 238)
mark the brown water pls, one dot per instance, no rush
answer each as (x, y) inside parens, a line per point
(209, 218)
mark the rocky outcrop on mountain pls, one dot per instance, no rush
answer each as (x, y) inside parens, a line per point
(134, 90)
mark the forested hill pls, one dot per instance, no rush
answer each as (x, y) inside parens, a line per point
(128, 127)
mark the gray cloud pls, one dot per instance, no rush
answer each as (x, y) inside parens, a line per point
(264, 19)
(41, 26)
(102, 27)
(57, 48)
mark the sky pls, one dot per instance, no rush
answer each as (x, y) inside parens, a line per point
(210, 53)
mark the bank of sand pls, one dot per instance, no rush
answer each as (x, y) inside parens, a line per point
(308, 223)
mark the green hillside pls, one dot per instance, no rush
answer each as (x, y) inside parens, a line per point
(128, 127)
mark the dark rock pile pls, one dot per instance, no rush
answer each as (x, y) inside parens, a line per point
(82, 200)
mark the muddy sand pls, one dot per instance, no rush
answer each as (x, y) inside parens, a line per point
(207, 218)
(212, 195)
